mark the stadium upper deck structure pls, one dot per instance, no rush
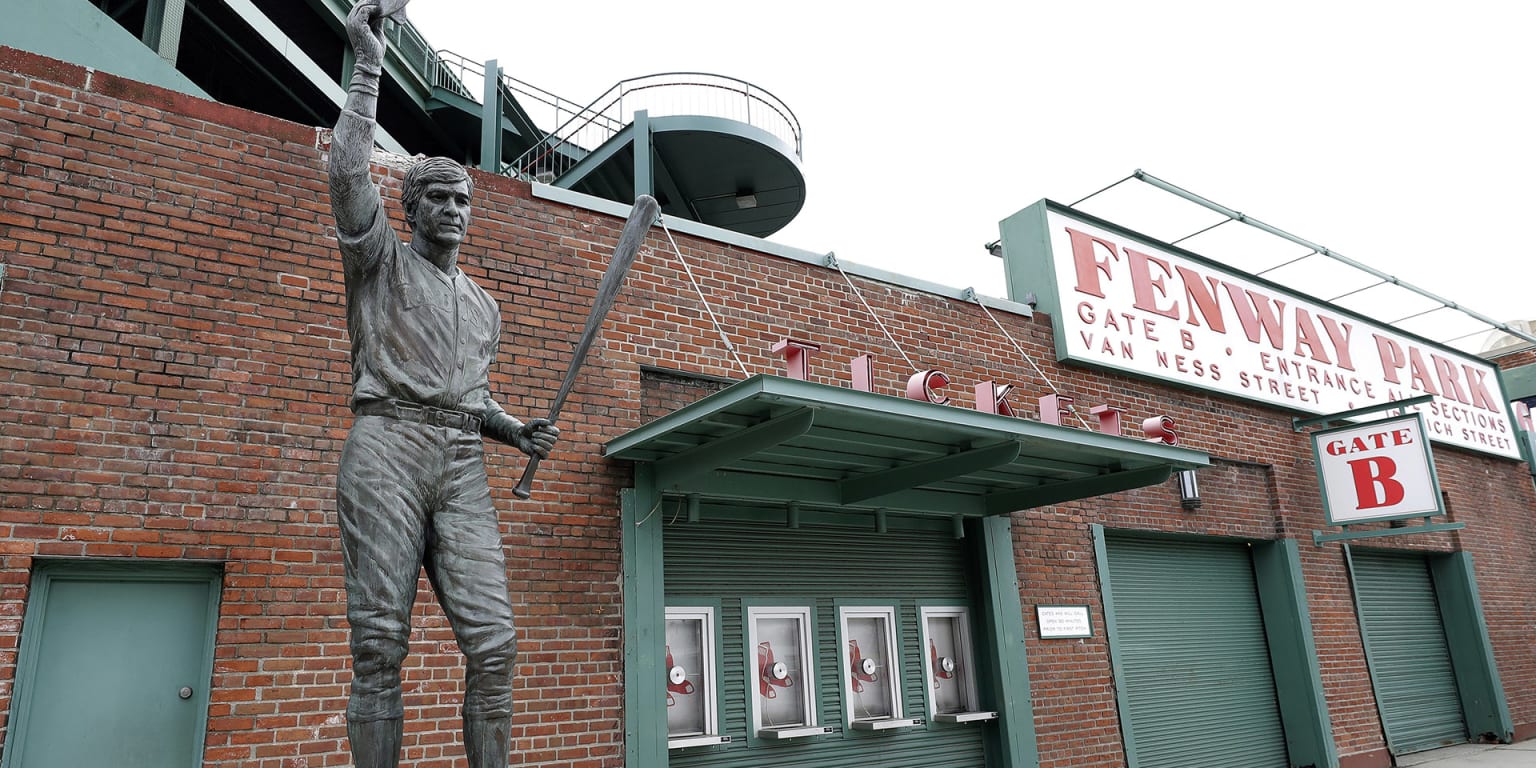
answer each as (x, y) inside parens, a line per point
(711, 148)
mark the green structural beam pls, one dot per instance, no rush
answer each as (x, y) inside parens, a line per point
(162, 27)
(900, 478)
(490, 119)
(279, 41)
(1519, 383)
(595, 159)
(1055, 466)
(1056, 493)
(1293, 655)
(674, 470)
(1466, 632)
(645, 694)
(644, 156)
(1319, 538)
(808, 493)
(1004, 637)
(81, 33)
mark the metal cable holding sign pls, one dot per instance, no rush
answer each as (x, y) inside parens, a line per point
(1088, 197)
(724, 339)
(832, 262)
(1020, 349)
(1379, 277)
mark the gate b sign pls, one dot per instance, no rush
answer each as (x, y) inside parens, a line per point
(1381, 470)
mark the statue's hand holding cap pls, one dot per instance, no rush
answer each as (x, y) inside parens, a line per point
(365, 30)
(393, 9)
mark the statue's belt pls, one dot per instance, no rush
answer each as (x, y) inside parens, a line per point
(420, 414)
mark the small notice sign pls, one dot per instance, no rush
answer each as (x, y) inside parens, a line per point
(1380, 470)
(1063, 621)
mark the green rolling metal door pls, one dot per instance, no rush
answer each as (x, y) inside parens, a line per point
(823, 564)
(1410, 660)
(1193, 664)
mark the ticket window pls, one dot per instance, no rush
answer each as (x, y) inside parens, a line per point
(949, 665)
(692, 713)
(871, 669)
(782, 686)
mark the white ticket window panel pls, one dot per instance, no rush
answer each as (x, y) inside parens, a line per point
(949, 663)
(691, 679)
(871, 669)
(781, 685)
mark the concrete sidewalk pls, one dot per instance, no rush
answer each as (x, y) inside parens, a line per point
(1521, 755)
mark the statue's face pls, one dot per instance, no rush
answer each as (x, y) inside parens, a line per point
(442, 214)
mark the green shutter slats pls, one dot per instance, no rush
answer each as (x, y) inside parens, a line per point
(1410, 661)
(1196, 670)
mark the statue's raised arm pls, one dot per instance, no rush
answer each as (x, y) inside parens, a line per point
(354, 198)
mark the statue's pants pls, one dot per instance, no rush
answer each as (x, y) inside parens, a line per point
(412, 495)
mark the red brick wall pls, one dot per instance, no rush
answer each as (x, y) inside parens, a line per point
(1516, 359)
(173, 384)
(174, 380)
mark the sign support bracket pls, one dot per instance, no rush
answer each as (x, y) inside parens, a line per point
(1319, 538)
(1298, 423)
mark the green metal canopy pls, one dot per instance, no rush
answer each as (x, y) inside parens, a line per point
(775, 439)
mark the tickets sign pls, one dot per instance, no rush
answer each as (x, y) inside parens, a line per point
(1122, 301)
(1382, 470)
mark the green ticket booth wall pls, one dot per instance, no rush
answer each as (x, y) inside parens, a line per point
(739, 562)
(726, 560)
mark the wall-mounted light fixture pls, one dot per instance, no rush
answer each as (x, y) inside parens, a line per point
(1189, 489)
(995, 248)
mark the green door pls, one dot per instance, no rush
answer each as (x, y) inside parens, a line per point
(1405, 642)
(1191, 659)
(114, 667)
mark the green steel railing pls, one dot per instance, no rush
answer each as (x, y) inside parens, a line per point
(456, 73)
(411, 46)
(662, 94)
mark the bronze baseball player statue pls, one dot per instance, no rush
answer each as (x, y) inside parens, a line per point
(411, 484)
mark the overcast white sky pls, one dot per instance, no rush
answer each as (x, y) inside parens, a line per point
(1396, 133)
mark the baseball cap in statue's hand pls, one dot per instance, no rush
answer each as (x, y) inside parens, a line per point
(393, 9)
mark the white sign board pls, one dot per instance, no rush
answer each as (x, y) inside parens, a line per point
(1382, 470)
(1135, 305)
(1059, 621)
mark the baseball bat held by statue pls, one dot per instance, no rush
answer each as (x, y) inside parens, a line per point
(640, 219)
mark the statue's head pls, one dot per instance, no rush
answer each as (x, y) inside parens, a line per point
(425, 172)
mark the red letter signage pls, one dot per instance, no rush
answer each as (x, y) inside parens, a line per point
(1160, 429)
(991, 398)
(1374, 483)
(924, 385)
(797, 356)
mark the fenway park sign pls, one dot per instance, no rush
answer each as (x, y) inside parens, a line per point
(1122, 301)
